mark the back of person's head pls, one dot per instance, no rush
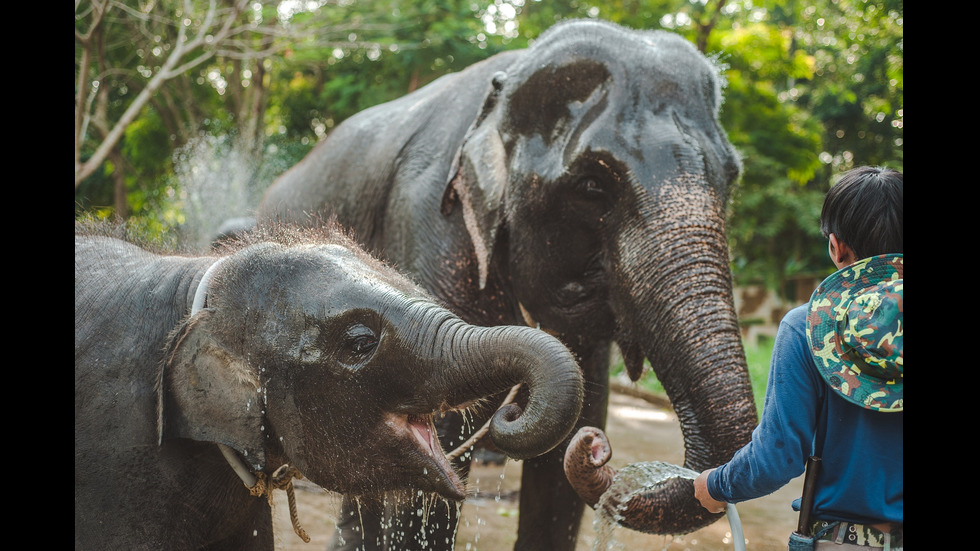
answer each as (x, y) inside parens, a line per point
(864, 210)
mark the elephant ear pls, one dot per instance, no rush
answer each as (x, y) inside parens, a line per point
(209, 394)
(554, 98)
(478, 179)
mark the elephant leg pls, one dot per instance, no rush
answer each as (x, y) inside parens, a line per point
(547, 498)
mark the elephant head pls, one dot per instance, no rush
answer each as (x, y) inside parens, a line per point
(316, 355)
(597, 170)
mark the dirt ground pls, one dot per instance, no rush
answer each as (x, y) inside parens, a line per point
(638, 431)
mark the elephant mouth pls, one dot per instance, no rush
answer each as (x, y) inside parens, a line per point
(423, 430)
(429, 467)
(633, 356)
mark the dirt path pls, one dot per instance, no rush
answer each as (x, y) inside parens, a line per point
(638, 430)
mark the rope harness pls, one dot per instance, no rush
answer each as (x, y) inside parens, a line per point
(281, 479)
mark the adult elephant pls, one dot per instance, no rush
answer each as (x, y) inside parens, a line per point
(580, 186)
(294, 354)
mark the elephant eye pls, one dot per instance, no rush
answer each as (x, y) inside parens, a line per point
(591, 187)
(587, 198)
(359, 342)
(590, 190)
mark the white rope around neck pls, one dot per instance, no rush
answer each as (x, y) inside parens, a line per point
(201, 295)
(200, 299)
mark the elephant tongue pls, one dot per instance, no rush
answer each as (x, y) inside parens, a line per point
(425, 434)
(422, 430)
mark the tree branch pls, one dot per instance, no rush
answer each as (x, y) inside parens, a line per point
(168, 70)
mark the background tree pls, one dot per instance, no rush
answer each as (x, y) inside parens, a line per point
(813, 88)
(125, 58)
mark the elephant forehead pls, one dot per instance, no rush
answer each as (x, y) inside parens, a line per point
(653, 127)
(657, 52)
(332, 278)
(327, 264)
(673, 56)
(344, 261)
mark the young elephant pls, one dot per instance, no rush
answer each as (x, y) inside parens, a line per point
(295, 350)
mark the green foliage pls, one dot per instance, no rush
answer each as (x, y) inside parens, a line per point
(773, 228)
(147, 144)
(298, 105)
(857, 90)
(757, 356)
(401, 47)
(150, 232)
(813, 89)
(94, 197)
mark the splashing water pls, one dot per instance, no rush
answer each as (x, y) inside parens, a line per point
(218, 179)
(405, 518)
(491, 496)
(634, 479)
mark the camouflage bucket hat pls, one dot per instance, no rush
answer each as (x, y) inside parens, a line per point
(854, 328)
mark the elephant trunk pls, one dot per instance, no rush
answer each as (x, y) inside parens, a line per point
(586, 468)
(477, 362)
(637, 501)
(680, 315)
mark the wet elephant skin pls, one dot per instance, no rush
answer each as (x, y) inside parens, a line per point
(579, 186)
(644, 510)
(294, 348)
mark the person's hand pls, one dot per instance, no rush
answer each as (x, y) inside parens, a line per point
(701, 493)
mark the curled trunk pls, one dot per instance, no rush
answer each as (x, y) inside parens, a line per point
(476, 362)
(638, 503)
(586, 468)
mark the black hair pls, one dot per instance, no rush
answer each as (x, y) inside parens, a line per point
(864, 211)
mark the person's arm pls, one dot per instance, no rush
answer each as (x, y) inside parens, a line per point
(783, 440)
(701, 492)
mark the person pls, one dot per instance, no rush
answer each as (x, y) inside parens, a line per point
(835, 381)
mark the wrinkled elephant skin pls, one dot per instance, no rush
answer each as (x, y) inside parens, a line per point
(297, 349)
(644, 509)
(579, 186)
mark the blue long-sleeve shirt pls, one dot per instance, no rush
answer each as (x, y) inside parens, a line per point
(861, 477)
